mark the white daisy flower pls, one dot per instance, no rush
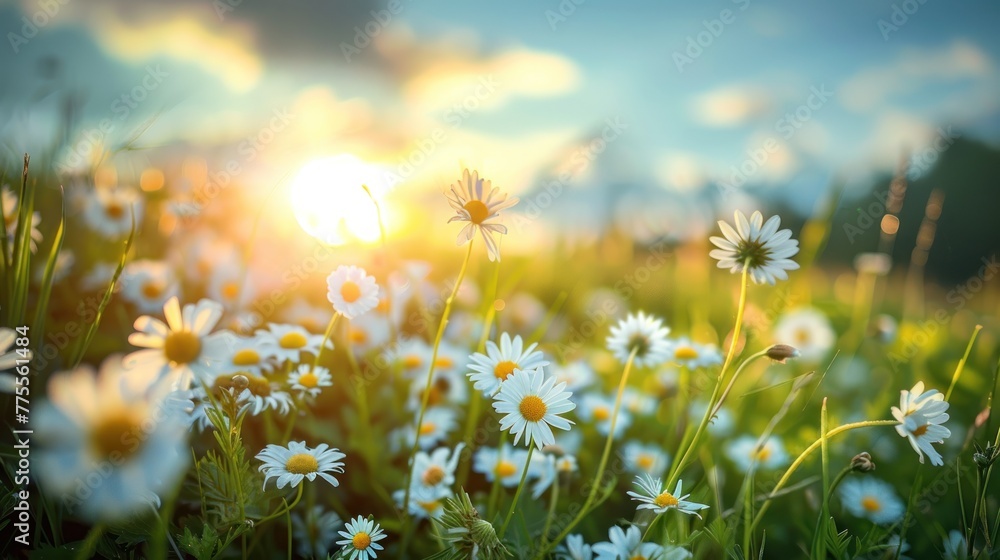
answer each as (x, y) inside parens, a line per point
(10, 359)
(352, 291)
(438, 423)
(685, 352)
(628, 545)
(808, 331)
(245, 354)
(489, 371)
(532, 404)
(10, 219)
(93, 427)
(477, 202)
(506, 463)
(872, 499)
(648, 459)
(289, 342)
(576, 375)
(656, 498)
(413, 356)
(643, 333)
(638, 402)
(767, 249)
(743, 451)
(547, 468)
(108, 211)
(295, 462)
(597, 409)
(148, 284)
(315, 534)
(436, 468)
(955, 546)
(574, 549)
(368, 331)
(259, 395)
(308, 316)
(183, 348)
(447, 387)
(231, 285)
(309, 380)
(920, 416)
(426, 502)
(361, 539)
(99, 276)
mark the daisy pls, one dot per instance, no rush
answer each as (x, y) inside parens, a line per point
(11, 216)
(955, 546)
(230, 285)
(148, 284)
(245, 354)
(361, 539)
(646, 459)
(93, 427)
(467, 199)
(315, 534)
(654, 497)
(426, 502)
(628, 545)
(438, 423)
(351, 291)
(574, 549)
(368, 331)
(767, 249)
(597, 409)
(576, 375)
(871, 499)
(297, 461)
(532, 404)
(182, 348)
(447, 387)
(547, 468)
(637, 402)
(108, 211)
(505, 463)
(692, 355)
(920, 416)
(643, 333)
(808, 331)
(436, 468)
(413, 355)
(302, 313)
(289, 342)
(260, 394)
(309, 380)
(489, 371)
(743, 452)
(99, 276)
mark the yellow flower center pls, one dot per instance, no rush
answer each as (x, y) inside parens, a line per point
(350, 291)
(358, 336)
(108, 436)
(870, 504)
(246, 357)
(293, 340)
(433, 475)
(478, 212)
(412, 361)
(427, 428)
(503, 369)
(601, 413)
(230, 290)
(429, 507)
(444, 362)
(383, 306)
(114, 210)
(764, 454)
(666, 499)
(532, 408)
(685, 353)
(802, 336)
(638, 557)
(644, 461)
(308, 380)
(302, 463)
(152, 290)
(921, 430)
(505, 469)
(182, 347)
(361, 541)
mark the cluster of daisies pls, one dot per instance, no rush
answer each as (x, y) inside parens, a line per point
(138, 409)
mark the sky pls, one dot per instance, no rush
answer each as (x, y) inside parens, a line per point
(682, 97)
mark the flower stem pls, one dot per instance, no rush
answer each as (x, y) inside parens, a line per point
(427, 387)
(553, 501)
(326, 338)
(288, 507)
(604, 459)
(90, 542)
(517, 493)
(961, 364)
(491, 506)
(802, 457)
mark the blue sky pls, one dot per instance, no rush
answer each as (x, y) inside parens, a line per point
(687, 127)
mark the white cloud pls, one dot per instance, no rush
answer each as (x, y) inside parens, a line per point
(731, 106)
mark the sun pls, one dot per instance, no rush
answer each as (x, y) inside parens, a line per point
(330, 202)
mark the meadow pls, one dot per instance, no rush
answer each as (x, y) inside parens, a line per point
(203, 392)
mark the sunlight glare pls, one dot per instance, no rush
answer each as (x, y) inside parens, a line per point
(330, 204)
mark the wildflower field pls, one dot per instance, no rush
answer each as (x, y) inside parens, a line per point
(718, 397)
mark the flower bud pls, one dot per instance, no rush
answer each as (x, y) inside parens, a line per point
(862, 462)
(781, 352)
(240, 382)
